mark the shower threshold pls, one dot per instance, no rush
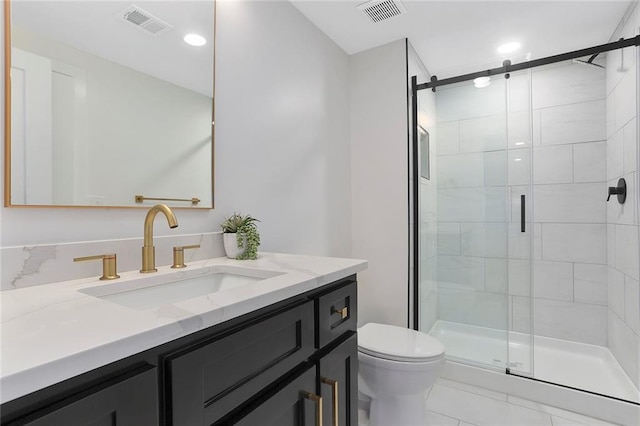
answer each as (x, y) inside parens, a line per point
(579, 365)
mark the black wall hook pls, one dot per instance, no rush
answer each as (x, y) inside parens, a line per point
(620, 191)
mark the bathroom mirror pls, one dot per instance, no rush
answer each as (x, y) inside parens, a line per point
(106, 104)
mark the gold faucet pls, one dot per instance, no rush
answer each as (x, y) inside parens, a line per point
(148, 250)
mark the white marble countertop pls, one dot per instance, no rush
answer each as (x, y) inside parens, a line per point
(53, 332)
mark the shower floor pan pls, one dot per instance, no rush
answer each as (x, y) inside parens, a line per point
(578, 365)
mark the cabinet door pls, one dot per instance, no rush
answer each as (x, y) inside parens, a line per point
(339, 384)
(128, 400)
(295, 404)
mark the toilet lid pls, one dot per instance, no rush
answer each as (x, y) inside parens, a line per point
(398, 343)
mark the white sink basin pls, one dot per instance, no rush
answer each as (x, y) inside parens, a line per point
(154, 291)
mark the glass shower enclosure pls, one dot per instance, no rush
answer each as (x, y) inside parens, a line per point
(522, 259)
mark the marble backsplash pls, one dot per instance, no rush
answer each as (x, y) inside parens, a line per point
(43, 264)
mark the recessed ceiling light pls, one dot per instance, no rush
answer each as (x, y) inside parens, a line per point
(481, 82)
(519, 143)
(195, 40)
(518, 159)
(509, 47)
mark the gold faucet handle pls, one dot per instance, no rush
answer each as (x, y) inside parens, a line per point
(109, 267)
(178, 255)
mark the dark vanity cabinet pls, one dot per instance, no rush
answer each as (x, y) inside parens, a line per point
(326, 389)
(292, 363)
(295, 403)
(338, 372)
(326, 386)
(210, 381)
(126, 400)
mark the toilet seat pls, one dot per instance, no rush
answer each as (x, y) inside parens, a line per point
(398, 344)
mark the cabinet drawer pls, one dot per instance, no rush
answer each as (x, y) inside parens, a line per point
(337, 313)
(127, 400)
(288, 406)
(218, 376)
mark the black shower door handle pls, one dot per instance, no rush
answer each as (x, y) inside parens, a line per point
(522, 212)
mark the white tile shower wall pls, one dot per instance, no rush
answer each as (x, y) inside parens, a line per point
(562, 85)
(623, 343)
(428, 287)
(461, 272)
(480, 261)
(622, 220)
(570, 321)
(590, 283)
(486, 239)
(615, 155)
(569, 182)
(570, 203)
(553, 165)
(581, 122)
(587, 162)
(460, 103)
(553, 280)
(631, 306)
(630, 146)
(615, 290)
(478, 308)
(574, 242)
(483, 134)
(472, 205)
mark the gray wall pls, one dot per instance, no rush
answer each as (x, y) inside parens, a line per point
(379, 181)
(282, 143)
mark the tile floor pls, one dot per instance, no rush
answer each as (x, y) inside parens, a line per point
(457, 404)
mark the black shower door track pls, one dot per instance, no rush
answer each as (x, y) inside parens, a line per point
(508, 67)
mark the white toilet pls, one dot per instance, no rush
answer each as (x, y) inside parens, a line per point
(397, 367)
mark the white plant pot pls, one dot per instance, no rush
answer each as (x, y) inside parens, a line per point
(231, 245)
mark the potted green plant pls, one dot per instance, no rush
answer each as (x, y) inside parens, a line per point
(240, 236)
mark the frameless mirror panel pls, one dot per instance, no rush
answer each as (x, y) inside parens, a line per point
(108, 102)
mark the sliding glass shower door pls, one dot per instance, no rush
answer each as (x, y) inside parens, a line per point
(480, 183)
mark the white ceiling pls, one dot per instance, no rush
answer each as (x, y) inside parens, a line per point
(93, 26)
(455, 37)
(451, 37)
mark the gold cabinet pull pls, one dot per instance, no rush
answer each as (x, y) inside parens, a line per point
(109, 266)
(178, 255)
(318, 400)
(344, 312)
(334, 397)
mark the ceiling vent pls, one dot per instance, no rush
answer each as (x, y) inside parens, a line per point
(144, 20)
(381, 10)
